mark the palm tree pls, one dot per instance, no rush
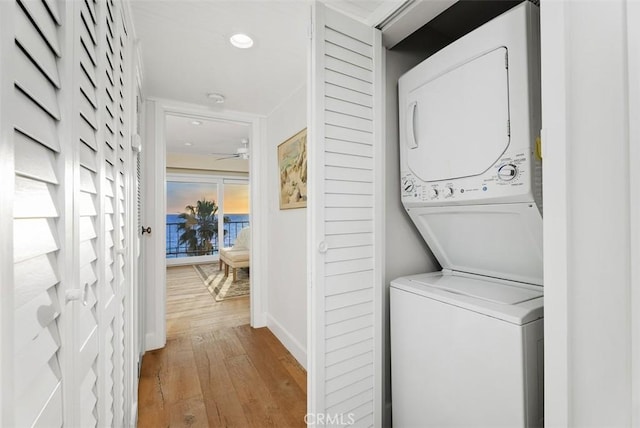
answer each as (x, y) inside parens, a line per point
(199, 228)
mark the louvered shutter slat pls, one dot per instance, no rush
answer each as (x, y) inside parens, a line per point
(40, 15)
(34, 122)
(36, 48)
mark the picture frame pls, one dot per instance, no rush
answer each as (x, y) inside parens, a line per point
(292, 168)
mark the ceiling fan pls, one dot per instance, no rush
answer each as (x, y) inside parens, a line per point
(241, 152)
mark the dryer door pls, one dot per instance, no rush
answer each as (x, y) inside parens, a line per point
(457, 125)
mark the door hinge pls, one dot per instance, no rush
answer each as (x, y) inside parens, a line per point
(508, 128)
(506, 60)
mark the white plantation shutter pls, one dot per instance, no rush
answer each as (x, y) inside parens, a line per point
(63, 73)
(108, 325)
(345, 292)
(38, 217)
(87, 126)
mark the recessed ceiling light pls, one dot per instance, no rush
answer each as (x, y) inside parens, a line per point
(241, 41)
(188, 144)
(218, 98)
(196, 122)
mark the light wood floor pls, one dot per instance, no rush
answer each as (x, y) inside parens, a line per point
(216, 370)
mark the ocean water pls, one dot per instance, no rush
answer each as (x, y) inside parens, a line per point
(232, 228)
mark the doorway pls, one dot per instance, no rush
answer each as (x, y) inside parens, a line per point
(212, 171)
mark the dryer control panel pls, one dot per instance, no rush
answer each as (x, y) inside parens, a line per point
(508, 180)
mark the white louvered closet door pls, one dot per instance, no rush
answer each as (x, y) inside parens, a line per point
(67, 134)
(42, 249)
(345, 343)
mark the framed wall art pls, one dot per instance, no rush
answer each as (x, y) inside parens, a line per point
(292, 166)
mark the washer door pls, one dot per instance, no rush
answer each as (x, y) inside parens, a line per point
(501, 241)
(457, 125)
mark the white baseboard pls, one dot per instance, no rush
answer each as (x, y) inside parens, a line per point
(152, 341)
(297, 350)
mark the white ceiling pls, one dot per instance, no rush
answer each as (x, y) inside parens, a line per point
(186, 54)
(207, 138)
(186, 51)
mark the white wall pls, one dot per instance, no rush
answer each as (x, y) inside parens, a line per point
(406, 252)
(286, 237)
(591, 162)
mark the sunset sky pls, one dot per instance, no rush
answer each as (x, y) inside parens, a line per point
(179, 195)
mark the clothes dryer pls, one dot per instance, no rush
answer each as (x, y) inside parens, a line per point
(466, 342)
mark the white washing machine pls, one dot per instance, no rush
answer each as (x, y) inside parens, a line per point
(466, 342)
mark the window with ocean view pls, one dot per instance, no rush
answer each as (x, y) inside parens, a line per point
(203, 216)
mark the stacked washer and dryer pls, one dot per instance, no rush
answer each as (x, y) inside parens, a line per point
(467, 341)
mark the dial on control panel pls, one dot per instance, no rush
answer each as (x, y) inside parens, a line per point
(507, 172)
(447, 191)
(408, 185)
(433, 193)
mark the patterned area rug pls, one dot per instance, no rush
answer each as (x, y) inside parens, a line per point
(222, 287)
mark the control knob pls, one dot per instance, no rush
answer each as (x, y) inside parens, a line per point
(447, 191)
(433, 193)
(507, 172)
(408, 185)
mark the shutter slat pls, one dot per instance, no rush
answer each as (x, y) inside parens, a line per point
(87, 181)
(347, 339)
(348, 266)
(343, 354)
(52, 7)
(350, 122)
(355, 376)
(347, 228)
(43, 20)
(87, 229)
(346, 134)
(346, 284)
(87, 66)
(348, 95)
(33, 160)
(92, 11)
(87, 253)
(36, 353)
(347, 392)
(346, 406)
(348, 161)
(342, 39)
(33, 199)
(34, 122)
(51, 414)
(89, 25)
(348, 326)
(348, 148)
(348, 187)
(88, 113)
(348, 174)
(31, 317)
(87, 134)
(32, 278)
(348, 108)
(88, 158)
(34, 84)
(87, 275)
(348, 214)
(87, 205)
(351, 253)
(37, 237)
(349, 240)
(355, 201)
(86, 87)
(348, 56)
(29, 39)
(343, 67)
(352, 83)
(349, 299)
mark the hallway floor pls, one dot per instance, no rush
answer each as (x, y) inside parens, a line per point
(215, 369)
